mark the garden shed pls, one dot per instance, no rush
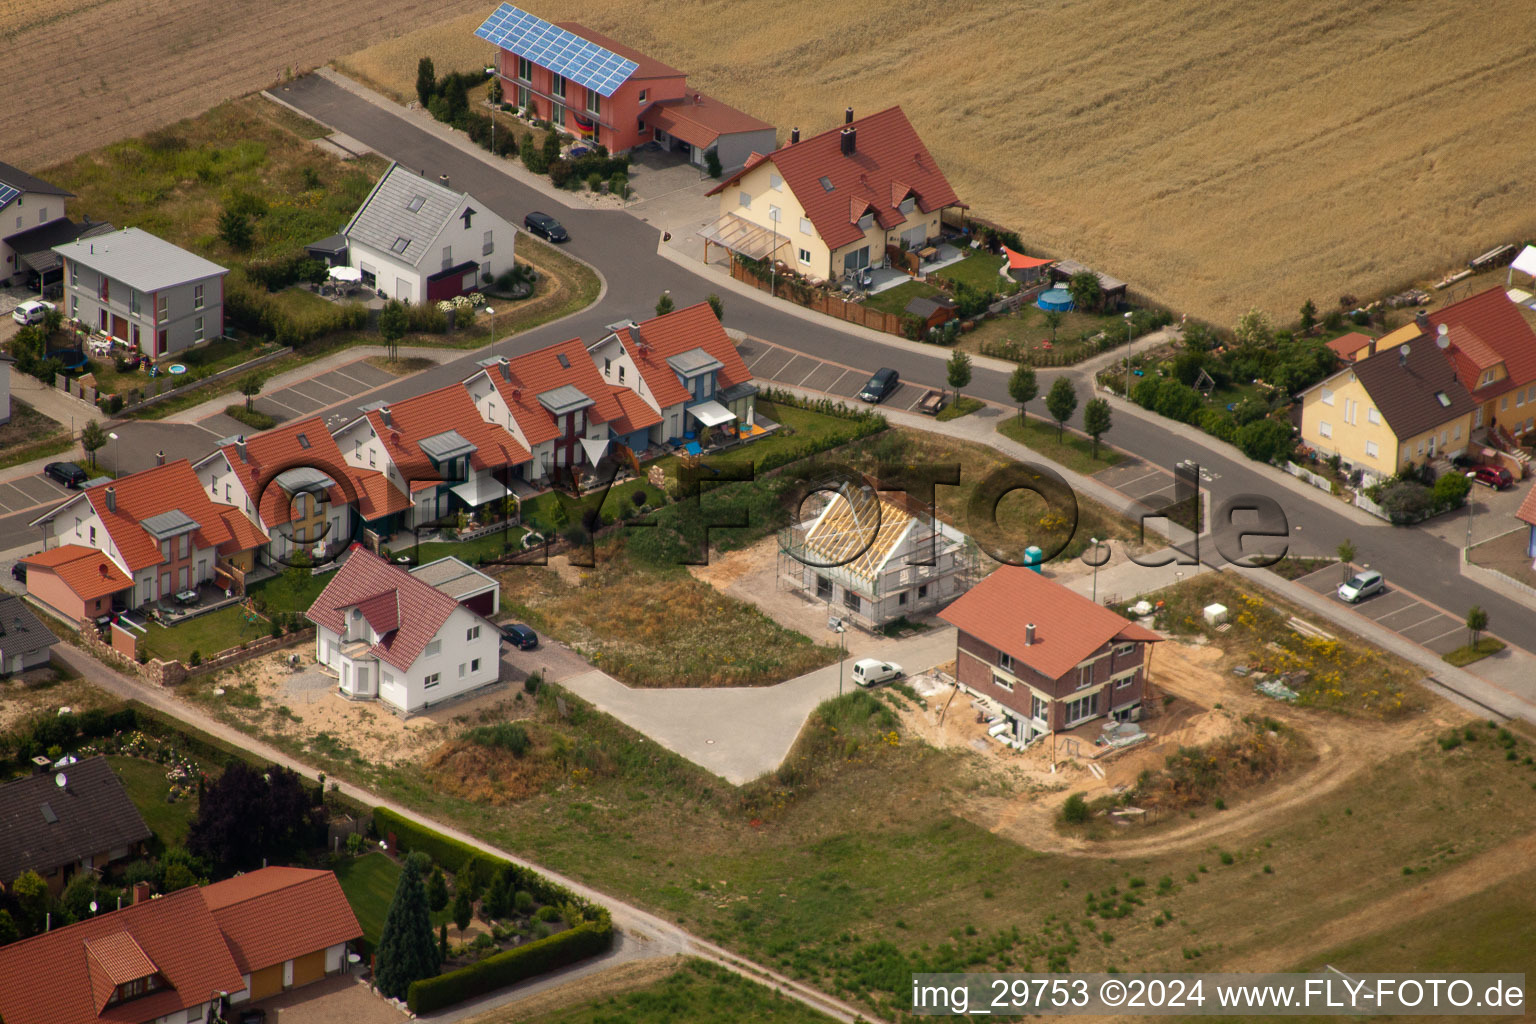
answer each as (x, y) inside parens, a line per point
(933, 310)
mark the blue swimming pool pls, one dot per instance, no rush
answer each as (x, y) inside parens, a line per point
(1056, 298)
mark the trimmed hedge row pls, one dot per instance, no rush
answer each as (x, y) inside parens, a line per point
(541, 956)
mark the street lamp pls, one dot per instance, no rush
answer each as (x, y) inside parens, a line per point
(1129, 341)
(1471, 507)
(835, 624)
(117, 469)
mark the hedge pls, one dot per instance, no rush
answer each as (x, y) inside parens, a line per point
(509, 967)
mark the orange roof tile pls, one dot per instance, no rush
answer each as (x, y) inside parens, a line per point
(376, 496)
(365, 578)
(886, 150)
(436, 412)
(1068, 626)
(269, 454)
(635, 413)
(86, 571)
(1485, 330)
(655, 340)
(700, 119)
(1527, 510)
(279, 913)
(244, 534)
(531, 375)
(1346, 345)
(149, 493)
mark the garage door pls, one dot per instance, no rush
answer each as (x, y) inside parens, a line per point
(266, 982)
(308, 968)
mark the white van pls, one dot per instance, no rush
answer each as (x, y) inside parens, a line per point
(869, 671)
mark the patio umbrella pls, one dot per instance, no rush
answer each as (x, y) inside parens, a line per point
(346, 274)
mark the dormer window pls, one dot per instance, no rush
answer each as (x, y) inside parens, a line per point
(136, 988)
(907, 205)
(866, 222)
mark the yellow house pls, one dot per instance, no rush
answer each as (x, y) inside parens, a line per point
(833, 204)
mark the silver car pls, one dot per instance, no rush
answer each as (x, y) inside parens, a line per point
(1360, 586)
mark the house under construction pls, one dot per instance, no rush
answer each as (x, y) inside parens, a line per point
(856, 555)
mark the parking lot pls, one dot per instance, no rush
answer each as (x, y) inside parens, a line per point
(29, 492)
(1407, 616)
(309, 396)
(769, 362)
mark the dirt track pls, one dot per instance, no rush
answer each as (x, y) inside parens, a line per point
(82, 73)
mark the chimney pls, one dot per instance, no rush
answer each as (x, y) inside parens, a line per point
(1370, 348)
(1422, 319)
(848, 116)
(384, 415)
(506, 367)
(698, 98)
(160, 457)
(111, 499)
(848, 141)
(794, 136)
(442, 179)
(1029, 634)
(140, 892)
(240, 448)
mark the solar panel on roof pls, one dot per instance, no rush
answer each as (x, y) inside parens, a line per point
(7, 193)
(563, 52)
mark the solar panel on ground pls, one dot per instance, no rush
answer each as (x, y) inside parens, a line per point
(7, 193)
(563, 52)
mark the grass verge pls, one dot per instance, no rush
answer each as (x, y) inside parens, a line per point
(1470, 653)
(963, 407)
(1072, 451)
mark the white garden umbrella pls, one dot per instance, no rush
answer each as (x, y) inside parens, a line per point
(346, 274)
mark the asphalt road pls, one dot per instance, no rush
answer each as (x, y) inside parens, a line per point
(623, 249)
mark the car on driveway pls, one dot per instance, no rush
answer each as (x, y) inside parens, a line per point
(66, 473)
(546, 227)
(869, 671)
(881, 386)
(520, 636)
(1496, 477)
(1360, 586)
(19, 572)
(32, 312)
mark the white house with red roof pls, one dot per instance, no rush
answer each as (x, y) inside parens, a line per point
(437, 448)
(684, 367)
(392, 637)
(183, 956)
(557, 405)
(157, 529)
(834, 203)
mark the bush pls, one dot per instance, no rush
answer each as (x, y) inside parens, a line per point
(712, 163)
(1218, 423)
(1265, 440)
(1406, 501)
(619, 184)
(506, 968)
(522, 902)
(547, 913)
(276, 274)
(509, 736)
(561, 174)
(1451, 490)
(1075, 810)
(426, 318)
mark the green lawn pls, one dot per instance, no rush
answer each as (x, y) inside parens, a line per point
(698, 992)
(147, 787)
(980, 270)
(894, 300)
(954, 410)
(279, 593)
(1073, 451)
(207, 634)
(1467, 654)
(369, 882)
(470, 551)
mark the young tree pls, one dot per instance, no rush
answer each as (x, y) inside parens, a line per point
(92, 438)
(1346, 550)
(717, 304)
(437, 890)
(494, 92)
(250, 387)
(83, 890)
(551, 147)
(406, 951)
(32, 900)
(179, 869)
(664, 305)
(1085, 290)
(1053, 318)
(247, 816)
(463, 910)
(1477, 621)
(1061, 403)
(53, 321)
(1023, 388)
(1308, 316)
(426, 80)
(393, 324)
(1253, 330)
(958, 370)
(236, 230)
(1096, 421)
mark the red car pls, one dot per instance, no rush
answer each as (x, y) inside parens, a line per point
(1496, 477)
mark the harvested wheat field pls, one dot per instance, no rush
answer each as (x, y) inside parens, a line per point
(82, 73)
(1215, 155)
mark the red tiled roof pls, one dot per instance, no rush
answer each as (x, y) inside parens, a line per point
(535, 373)
(1068, 626)
(1346, 345)
(279, 913)
(86, 571)
(649, 67)
(382, 611)
(1527, 511)
(376, 496)
(244, 534)
(887, 151)
(636, 413)
(273, 452)
(423, 609)
(700, 119)
(150, 493)
(1484, 330)
(64, 976)
(448, 408)
(689, 328)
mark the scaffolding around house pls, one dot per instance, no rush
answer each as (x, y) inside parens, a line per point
(855, 554)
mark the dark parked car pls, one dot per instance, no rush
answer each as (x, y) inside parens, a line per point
(520, 636)
(19, 573)
(546, 227)
(881, 386)
(253, 1017)
(1496, 477)
(66, 473)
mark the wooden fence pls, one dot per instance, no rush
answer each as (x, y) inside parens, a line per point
(830, 305)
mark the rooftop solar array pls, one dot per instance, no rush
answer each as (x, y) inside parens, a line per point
(549, 46)
(7, 193)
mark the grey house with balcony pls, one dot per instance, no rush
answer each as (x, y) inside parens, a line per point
(142, 290)
(417, 240)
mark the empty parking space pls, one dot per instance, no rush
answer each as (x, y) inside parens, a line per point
(771, 363)
(313, 389)
(798, 369)
(366, 374)
(1436, 627)
(823, 377)
(906, 397)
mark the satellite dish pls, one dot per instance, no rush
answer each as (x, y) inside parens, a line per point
(93, 906)
(60, 780)
(1443, 337)
(1406, 349)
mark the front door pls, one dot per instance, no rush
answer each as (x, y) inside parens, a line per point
(403, 290)
(119, 327)
(202, 569)
(1477, 419)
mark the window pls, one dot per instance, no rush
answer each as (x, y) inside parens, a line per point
(74, 306)
(1124, 649)
(1325, 429)
(557, 86)
(907, 204)
(922, 591)
(472, 633)
(474, 665)
(1372, 415)
(432, 680)
(805, 256)
(901, 599)
(487, 244)
(1084, 675)
(1124, 684)
(162, 308)
(197, 296)
(1005, 661)
(165, 550)
(643, 93)
(805, 226)
(826, 184)
(102, 315)
(433, 648)
(1371, 449)
(525, 70)
(42, 215)
(850, 600)
(416, 203)
(866, 222)
(401, 244)
(775, 182)
(197, 329)
(447, 256)
(93, 535)
(1519, 398)
(1083, 707)
(1039, 707)
(524, 100)
(621, 374)
(462, 667)
(226, 492)
(607, 366)
(103, 288)
(1327, 397)
(1456, 433)
(1421, 447)
(594, 103)
(744, 200)
(1001, 683)
(133, 300)
(774, 214)
(74, 271)
(1503, 403)
(186, 544)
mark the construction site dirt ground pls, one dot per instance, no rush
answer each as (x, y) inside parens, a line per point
(1196, 699)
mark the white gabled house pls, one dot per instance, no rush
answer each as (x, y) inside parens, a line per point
(417, 240)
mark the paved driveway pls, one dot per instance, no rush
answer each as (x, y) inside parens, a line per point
(338, 999)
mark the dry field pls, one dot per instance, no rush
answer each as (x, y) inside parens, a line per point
(82, 73)
(1216, 155)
